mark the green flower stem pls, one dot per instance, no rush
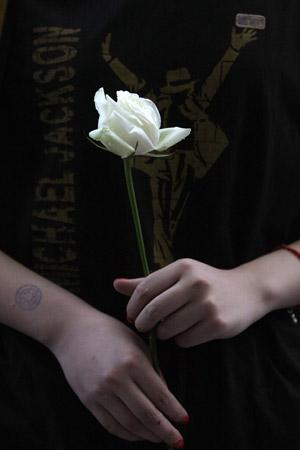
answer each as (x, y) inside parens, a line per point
(141, 247)
(135, 214)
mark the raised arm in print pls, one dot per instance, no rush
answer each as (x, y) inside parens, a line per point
(3, 6)
(171, 179)
(130, 80)
(238, 41)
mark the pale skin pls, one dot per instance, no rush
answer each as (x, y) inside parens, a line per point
(194, 303)
(105, 362)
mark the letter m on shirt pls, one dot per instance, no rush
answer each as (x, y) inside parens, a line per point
(3, 5)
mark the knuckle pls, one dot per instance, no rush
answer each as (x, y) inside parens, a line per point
(186, 264)
(108, 381)
(197, 283)
(113, 377)
(93, 391)
(211, 309)
(221, 326)
(142, 291)
(129, 363)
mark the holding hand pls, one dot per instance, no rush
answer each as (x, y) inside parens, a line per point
(193, 302)
(107, 366)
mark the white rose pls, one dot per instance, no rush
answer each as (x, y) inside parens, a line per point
(132, 125)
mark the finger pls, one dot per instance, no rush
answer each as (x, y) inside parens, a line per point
(151, 286)
(162, 377)
(178, 322)
(111, 424)
(174, 301)
(127, 420)
(126, 286)
(149, 415)
(154, 387)
(161, 307)
(199, 334)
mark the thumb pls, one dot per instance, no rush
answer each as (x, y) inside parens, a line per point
(126, 286)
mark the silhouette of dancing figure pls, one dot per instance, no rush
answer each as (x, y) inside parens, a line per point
(171, 179)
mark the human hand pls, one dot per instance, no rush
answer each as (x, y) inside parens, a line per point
(193, 302)
(108, 367)
(241, 39)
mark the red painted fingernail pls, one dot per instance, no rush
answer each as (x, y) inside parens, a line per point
(179, 444)
(185, 420)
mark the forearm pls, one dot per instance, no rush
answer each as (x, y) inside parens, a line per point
(217, 77)
(278, 276)
(34, 305)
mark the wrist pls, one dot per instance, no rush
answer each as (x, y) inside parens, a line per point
(261, 287)
(36, 306)
(72, 311)
(277, 278)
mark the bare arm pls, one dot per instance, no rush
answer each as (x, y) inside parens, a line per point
(194, 303)
(105, 362)
(33, 305)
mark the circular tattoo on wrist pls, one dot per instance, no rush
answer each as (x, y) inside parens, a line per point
(28, 297)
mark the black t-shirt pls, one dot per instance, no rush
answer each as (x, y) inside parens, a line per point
(230, 193)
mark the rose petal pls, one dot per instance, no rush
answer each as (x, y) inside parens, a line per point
(101, 104)
(132, 124)
(100, 100)
(171, 136)
(130, 133)
(143, 108)
(112, 142)
(122, 112)
(131, 121)
(108, 109)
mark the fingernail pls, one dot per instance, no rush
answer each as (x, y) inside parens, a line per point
(121, 279)
(179, 444)
(185, 420)
(130, 320)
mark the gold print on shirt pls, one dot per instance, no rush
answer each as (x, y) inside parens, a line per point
(171, 179)
(54, 244)
(3, 6)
